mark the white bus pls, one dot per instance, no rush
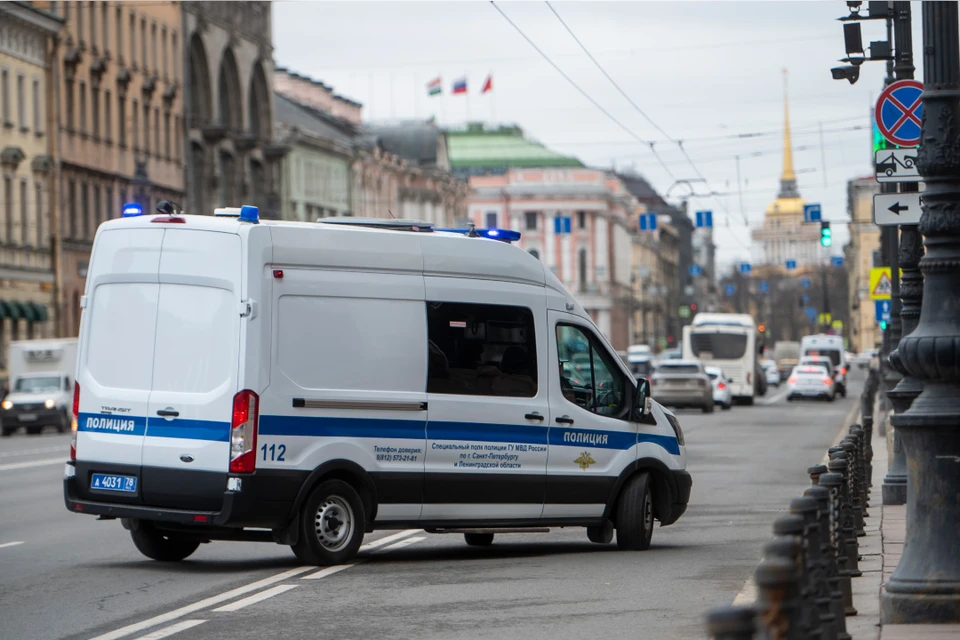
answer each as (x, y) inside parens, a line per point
(729, 341)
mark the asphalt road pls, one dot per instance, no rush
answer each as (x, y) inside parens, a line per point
(64, 575)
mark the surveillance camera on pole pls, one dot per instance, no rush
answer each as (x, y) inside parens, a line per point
(850, 73)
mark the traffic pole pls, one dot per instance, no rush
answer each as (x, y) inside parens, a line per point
(925, 586)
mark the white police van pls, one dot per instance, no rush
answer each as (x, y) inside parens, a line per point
(308, 383)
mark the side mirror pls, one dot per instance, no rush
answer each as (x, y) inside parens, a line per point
(643, 395)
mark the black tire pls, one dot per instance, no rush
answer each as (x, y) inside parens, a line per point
(708, 408)
(748, 401)
(5, 431)
(601, 534)
(478, 539)
(65, 424)
(336, 507)
(157, 545)
(635, 514)
(727, 406)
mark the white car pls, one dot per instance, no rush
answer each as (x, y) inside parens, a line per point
(771, 372)
(811, 381)
(721, 388)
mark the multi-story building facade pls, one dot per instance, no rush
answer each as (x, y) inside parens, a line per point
(231, 157)
(862, 253)
(27, 170)
(119, 122)
(655, 259)
(576, 222)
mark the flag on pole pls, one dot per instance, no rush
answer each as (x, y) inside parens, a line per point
(434, 87)
(460, 86)
(488, 85)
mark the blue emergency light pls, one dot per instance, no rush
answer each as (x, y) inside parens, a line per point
(249, 213)
(503, 235)
(132, 210)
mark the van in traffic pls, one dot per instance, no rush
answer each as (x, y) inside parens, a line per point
(831, 347)
(41, 385)
(307, 383)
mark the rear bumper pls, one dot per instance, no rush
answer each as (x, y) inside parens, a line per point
(683, 399)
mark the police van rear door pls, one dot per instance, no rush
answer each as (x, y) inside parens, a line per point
(115, 363)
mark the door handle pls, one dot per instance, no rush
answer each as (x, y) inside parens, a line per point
(168, 413)
(564, 419)
(534, 416)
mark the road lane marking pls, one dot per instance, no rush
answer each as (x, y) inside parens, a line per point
(401, 544)
(130, 629)
(11, 544)
(172, 629)
(328, 571)
(255, 598)
(388, 539)
(35, 463)
(26, 452)
(747, 595)
(776, 398)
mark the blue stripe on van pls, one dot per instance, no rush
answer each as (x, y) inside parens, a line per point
(461, 431)
(115, 424)
(209, 430)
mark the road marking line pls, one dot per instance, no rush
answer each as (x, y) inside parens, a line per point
(172, 629)
(130, 629)
(329, 571)
(779, 396)
(388, 539)
(10, 544)
(747, 595)
(35, 463)
(401, 544)
(26, 452)
(255, 598)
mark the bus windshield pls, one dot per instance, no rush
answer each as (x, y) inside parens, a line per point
(718, 345)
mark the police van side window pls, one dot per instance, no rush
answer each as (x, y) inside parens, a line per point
(588, 376)
(481, 350)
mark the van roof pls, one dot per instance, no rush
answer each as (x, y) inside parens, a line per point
(364, 247)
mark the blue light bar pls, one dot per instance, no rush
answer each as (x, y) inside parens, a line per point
(249, 213)
(503, 235)
(132, 210)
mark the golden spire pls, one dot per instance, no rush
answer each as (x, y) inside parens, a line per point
(788, 181)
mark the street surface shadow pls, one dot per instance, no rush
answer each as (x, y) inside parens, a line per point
(191, 565)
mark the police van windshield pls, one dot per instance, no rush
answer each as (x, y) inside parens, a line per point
(37, 384)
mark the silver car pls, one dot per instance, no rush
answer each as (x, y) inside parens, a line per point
(811, 381)
(682, 383)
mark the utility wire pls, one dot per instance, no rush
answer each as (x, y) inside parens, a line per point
(679, 143)
(584, 93)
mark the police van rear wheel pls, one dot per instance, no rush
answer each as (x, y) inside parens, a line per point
(157, 545)
(332, 525)
(635, 514)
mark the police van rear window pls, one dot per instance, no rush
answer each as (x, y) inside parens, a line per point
(481, 350)
(119, 349)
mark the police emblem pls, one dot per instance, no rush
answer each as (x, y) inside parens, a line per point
(585, 460)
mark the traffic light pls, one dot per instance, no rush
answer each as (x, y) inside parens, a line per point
(693, 306)
(879, 142)
(826, 237)
(762, 328)
(883, 325)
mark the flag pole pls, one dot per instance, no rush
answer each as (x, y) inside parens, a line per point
(493, 102)
(468, 103)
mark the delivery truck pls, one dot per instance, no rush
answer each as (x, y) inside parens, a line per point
(41, 386)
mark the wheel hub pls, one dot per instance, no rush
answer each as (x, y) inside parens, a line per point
(334, 523)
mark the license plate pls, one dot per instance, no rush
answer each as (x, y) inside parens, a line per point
(110, 482)
(28, 417)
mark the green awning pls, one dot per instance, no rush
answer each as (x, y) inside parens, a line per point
(17, 309)
(32, 315)
(4, 309)
(41, 310)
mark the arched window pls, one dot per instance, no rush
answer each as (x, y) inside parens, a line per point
(229, 107)
(199, 78)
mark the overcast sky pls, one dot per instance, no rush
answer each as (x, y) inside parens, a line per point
(700, 70)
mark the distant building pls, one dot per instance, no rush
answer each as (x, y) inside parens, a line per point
(783, 235)
(655, 260)
(861, 255)
(28, 171)
(479, 151)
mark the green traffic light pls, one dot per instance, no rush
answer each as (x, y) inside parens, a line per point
(883, 325)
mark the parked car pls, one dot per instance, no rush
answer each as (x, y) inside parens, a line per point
(682, 383)
(721, 387)
(811, 381)
(771, 373)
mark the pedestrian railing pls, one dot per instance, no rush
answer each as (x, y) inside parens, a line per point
(804, 582)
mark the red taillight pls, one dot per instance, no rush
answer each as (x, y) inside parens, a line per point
(199, 518)
(278, 274)
(243, 432)
(721, 386)
(792, 380)
(168, 219)
(76, 419)
(843, 370)
(827, 381)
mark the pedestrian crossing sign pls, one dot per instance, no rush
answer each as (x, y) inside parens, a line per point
(880, 285)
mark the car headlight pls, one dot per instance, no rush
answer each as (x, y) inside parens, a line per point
(50, 403)
(7, 405)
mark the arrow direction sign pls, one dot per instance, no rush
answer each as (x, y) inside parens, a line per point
(896, 208)
(811, 213)
(897, 165)
(704, 219)
(791, 265)
(836, 261)
(882, 309)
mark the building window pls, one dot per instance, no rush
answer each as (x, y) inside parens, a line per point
(535, 253)
(106, 27)
(7, 207)
(581, 219)
(175, 56)
(156, 131)
(107, 120)
(491, 219)
(80, 24)
(83, 108)
(177, 139)
(120, 34)
(72, 203)
(22, 101)
(37, 118)
(97, 208)
(93, 27)
(166, 134)
(143, 44)
(133, 39)
(135, 128)
(38, 207)
(481, 350)
(108, 204)
(146, 129)
(153, 47)
(84, 210)
(530, 220)
(163, 52)
(24, 227)
(582, 268)
(95, 113)
(121, 122)
(68, 98)
(5, 97)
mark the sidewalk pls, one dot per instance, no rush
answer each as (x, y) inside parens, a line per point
(880, 552)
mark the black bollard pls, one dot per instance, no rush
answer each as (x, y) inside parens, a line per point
(840, 465)
(861, 435)
(850, 447)
(834, 482)
(808, 509)
(779, 610)
(866, 419)
(828, 555)
(815, 472)
(731, 623)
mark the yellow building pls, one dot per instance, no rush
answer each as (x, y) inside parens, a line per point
(783, 235)
(27, 165)
(864, 242)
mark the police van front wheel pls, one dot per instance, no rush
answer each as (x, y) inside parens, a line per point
(157, 545)
(332, 525)
(635, 514)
